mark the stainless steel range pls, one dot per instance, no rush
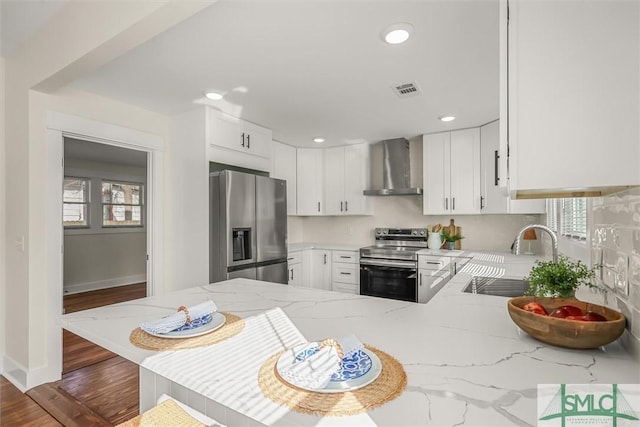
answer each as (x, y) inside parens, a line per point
(389, 269)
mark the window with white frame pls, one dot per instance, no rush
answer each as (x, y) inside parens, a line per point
(75, 202)
(574, 218)
(122, 204)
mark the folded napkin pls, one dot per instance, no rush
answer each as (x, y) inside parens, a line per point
(314, 364)
(178, 319)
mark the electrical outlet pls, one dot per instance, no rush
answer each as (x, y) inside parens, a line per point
(20, 243)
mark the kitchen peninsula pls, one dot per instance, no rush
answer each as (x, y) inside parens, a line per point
(465, 359)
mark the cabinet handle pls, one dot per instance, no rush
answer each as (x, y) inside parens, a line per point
(481, 202)
(420, 280)
(346, 274)
(345, 257)
(325, 258)
(496, 157)
(242, 139)
(340, 206)
(318, 206)
(453, 203)
(346, 205)
(291, 277)
(446, 203)
(248, 141)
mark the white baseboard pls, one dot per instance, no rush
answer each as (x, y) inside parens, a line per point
(104, 284)
(24, 379)
(15, 373)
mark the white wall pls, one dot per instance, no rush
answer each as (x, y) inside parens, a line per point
(187, 203)
(98, 261)
(615, 237)
(2, 214)
(482, 232)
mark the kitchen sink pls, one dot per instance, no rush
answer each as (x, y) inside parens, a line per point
(497, 286)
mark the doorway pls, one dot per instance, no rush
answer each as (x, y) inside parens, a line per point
(104, 216)
(59, 127)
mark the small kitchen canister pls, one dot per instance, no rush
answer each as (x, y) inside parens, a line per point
(435, 240)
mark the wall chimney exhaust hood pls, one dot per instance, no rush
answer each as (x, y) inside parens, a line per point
(396, 171)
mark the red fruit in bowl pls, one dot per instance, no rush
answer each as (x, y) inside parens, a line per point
(561, 313)
(594, 317)
(579, 318)
(535, 307)
(573, 310)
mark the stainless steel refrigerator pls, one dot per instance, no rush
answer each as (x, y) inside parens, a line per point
(247, 227)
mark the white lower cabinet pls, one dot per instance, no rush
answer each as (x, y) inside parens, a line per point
(294, 266)
(317, 269)
(346, 272)
(433, 273)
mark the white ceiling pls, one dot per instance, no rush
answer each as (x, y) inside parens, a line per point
(320, 67)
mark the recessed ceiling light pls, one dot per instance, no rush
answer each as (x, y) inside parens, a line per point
(213, 95)
(318, 140)
(397, 33)
(447, 118)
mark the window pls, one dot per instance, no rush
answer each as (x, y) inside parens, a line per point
(574, 218)
(122, 204)
(75, 202)
(552, 214)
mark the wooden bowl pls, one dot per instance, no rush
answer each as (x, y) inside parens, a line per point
(567, 333)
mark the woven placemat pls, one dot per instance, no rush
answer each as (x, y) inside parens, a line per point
(389, 385)
(166, 414)
(233, 326)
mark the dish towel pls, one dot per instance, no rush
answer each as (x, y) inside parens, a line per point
(314, 363)
(178, 319)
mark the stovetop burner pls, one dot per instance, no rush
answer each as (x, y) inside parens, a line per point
(396, 243)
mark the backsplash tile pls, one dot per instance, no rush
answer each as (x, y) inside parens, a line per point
(615, 245)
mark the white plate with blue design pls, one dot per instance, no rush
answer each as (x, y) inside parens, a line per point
(200, 326)
(356, 371)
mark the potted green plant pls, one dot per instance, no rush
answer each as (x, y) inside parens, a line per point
(450, 239)
(559, 280)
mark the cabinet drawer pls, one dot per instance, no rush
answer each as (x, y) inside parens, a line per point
(346, 288)
(433, 262)
(346, 273)
(294, 257)
(352, 257)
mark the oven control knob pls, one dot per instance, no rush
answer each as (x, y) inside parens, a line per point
(422, 232)
(414, 232)
(378, 231)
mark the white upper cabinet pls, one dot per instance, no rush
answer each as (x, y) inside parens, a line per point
(493, 200)
(310, 164)
(346, 176)
(572, 96)
(238, 142)
(452, 172)
(284, 167)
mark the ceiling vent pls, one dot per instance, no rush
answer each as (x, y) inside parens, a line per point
(404, 90)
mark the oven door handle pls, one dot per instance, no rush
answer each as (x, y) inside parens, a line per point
(384, 263)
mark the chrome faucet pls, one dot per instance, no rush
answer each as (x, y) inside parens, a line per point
(554, 239)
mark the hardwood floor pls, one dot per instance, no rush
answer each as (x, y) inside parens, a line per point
(97, 387)
(17, 409)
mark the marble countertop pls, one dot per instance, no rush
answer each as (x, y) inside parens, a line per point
(328, 246)
(467, 362)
